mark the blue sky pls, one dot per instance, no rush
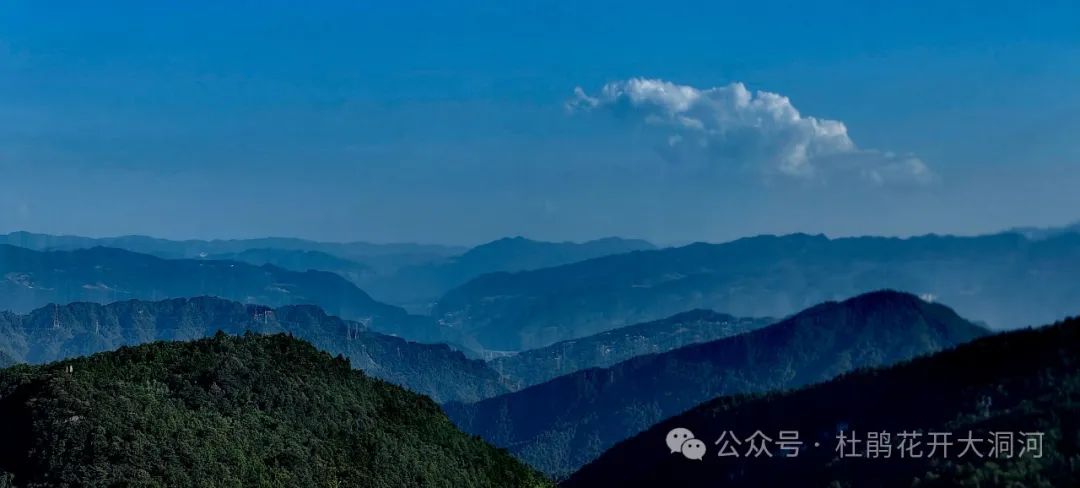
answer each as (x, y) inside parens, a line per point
(449, 121)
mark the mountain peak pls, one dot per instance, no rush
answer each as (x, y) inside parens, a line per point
(885, 313)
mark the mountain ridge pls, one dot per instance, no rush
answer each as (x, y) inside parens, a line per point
(1019, 381)
(423, 283)
(58, 332)
(191, 248)
(1004, 279)
(559, 425)
(31, 279)
(607, 348)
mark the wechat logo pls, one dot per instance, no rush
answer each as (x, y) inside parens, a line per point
(682, 441)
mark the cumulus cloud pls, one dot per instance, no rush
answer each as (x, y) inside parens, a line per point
(731, 124)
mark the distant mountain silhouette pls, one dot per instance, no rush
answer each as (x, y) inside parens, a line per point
(420, 285)
(410, 275)
(1037, 233)
(560, 425)
(58, 332)
(1005, 280)
(232, 411)
(1016, 382)
(193, 248)
(31, 279)
(300, 260)
(607, 348)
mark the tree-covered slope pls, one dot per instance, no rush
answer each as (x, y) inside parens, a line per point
(1018, 382)
(231, 411)
(31, 279)
(1005, 280)
(560, 425)
(607, 348)
(57, 332)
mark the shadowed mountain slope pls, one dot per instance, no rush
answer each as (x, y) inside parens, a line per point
(560, 425)
(1017, 382)
(607, 348)
(58, 332)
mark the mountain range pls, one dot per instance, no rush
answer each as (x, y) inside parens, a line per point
(31, 279)
(607, 348)
(1005, 280)
(299, 260)
(1011, 383)
(560, 425)
(408, 275)
(231, 411)
(194, 248)
(417, 287)
(59, 332)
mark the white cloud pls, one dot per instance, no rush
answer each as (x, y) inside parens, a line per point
(732, 124)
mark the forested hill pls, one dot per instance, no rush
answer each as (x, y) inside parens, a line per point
(560, 425)
(614, 346)
(1017, 382)
(31, 279)
(61, 331)
(231, 411)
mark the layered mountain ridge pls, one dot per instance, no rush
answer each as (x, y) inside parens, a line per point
(58, 332)
(1005, 280)
(1023, 385)
(564, 423)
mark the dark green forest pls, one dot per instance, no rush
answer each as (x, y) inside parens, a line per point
(231, 411)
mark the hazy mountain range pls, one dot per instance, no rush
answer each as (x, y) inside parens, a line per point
(607, 348)
(300, 260)
(409, 275)
(560, 425)
(1005, 280)
(54, 333)
(232, 411)
(519, 294)
(1015, 382)
(418, 286)
(31, 279)
(588, 344)
(194, 248)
